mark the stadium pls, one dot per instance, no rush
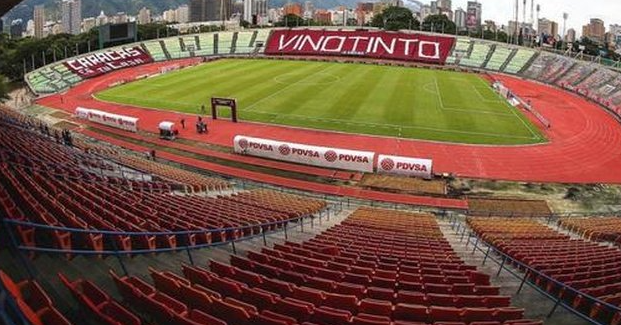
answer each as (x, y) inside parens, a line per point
(311, 176)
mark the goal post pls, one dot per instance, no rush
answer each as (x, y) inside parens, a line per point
(226, 102)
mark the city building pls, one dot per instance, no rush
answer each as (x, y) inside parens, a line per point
(293, 8)
(71, 11)
(249, 10)
(261, 11)
(182, 14)
(119, 18)
(275, 14)
(614, 37)
(441, 7)
(364, 12)
(524, 28)
(570, 37)
(89, 23)
(170, 16)
(393, 3)
(309, 10)
(144, 16)
(490, 25)
(16, 29)
(474, 13)
(39, 21)
(210, 10)
(102, 19)
(425, 11)
(460, 19)
(594, 31)
(323, 17)
(547, 27)
(445, 5)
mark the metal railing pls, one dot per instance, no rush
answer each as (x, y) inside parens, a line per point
(10, 313)
(110, 237)
(529, 274)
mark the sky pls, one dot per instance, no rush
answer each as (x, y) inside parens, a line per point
(580, 11)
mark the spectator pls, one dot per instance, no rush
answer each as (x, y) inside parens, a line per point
(153, 154)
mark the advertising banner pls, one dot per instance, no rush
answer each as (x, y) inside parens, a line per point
(404, 166)
(305, 154)
(373, 44)
(126, 123)
(95, 64)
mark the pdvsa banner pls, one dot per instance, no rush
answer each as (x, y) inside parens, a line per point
(99, 63)
(305, 154)
(373, 44)
(404, 166)
(126, 123)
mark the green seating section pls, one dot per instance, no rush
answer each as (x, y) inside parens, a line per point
(243, 42)
(155, 49)
(462, 45)
(206, 45)
(52, 78)
(225, 41)
(190, 43)
(477, 57)
(519, 61)
(173, 45)
(499, 57)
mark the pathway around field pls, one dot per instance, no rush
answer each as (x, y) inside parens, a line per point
(583, 148)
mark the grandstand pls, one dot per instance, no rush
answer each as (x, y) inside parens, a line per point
(40, 190)
(184, 244)
(519, 61)
(206, 44)
(225, 42)
(156, 50)
(581, 273)
(499, 58)
(548, 68)
(173, 46)
(52, 79)
(242, 45)
(462, 47)
(478, 56)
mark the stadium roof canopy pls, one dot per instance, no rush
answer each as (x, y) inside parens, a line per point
(6, 5)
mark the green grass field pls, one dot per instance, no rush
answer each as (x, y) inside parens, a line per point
(355, 98)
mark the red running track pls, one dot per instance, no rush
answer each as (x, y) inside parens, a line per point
(584, 141)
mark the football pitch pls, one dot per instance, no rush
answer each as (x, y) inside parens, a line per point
(354, 98)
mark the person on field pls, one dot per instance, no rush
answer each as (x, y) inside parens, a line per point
(182, 123)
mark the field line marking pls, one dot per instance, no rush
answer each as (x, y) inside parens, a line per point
(247, 108)
(476, 90)
(435, 80)
(518, 116)
(395, 126)
(460, 110)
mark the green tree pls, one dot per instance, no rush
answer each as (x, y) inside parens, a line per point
(291, 20)
(439, 24)
(395, 18)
